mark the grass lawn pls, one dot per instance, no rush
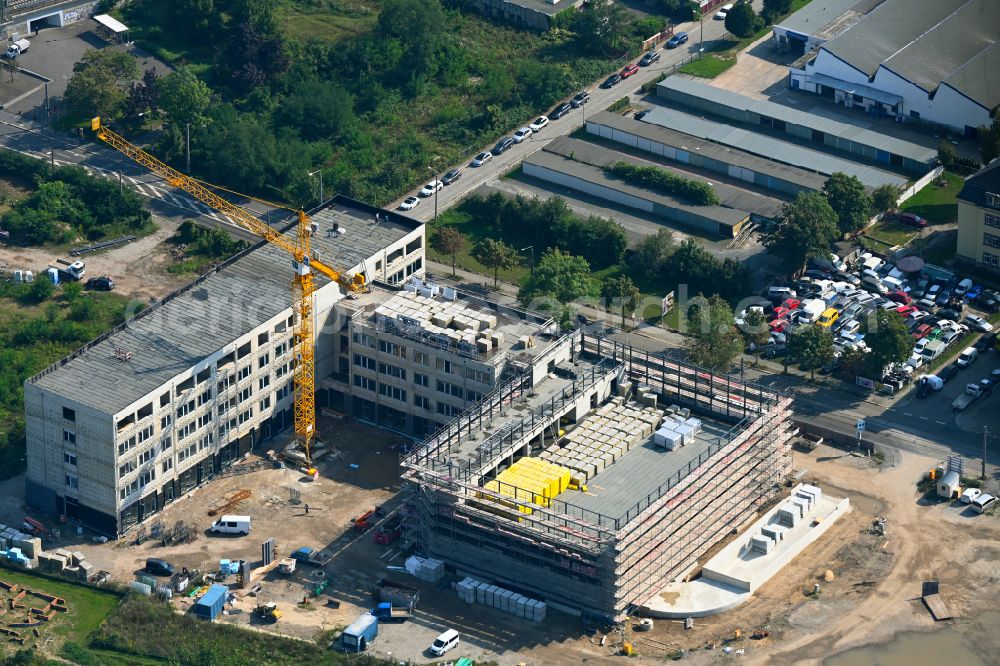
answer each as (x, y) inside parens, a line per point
(327, 20)
(938, 205)
(710, 66)
(465, 223)
(891, 233)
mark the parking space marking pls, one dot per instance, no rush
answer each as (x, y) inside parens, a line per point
(907, 414)
(924, 418)
(941, 422)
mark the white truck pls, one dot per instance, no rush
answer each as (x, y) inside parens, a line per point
(811, 310)
(972, 392)
(17, 48)
(69, 270)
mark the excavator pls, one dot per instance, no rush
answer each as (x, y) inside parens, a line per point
(303, 282)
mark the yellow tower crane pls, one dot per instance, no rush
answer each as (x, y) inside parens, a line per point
(303, 284)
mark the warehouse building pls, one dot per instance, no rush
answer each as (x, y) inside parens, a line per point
(819, 22)
(855, 142)
(534, 14)
(165, 401)
(979, 219)
(930, 61)
(596, 475)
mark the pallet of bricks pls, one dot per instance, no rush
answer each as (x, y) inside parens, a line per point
(472, 591)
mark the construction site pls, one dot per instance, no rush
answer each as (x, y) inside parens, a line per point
(597, 475)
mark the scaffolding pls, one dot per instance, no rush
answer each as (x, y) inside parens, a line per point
(604, 565)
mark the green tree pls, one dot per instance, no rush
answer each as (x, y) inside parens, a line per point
(773, 9)
(714, 342)
(417, 28)
(318, 110)
(651, 254)
(888, 340)
(184, 97)
(849, 200)
(72, 291)
(805, 230)
(450, 241)
(496, 255)
(258, 13)
(41, 289)
(602, 27)
(565, 277)
(620, 290)
(100, 84)
(811, 347)
(755, 329)
(947, 155)
(989, 141)
(885, 197)
(742, 21)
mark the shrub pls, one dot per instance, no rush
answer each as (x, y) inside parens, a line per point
(666, 182)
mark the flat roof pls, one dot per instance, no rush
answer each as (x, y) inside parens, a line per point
(640, 472)
(730, 196)
(543, 6)
(176, 333)
(709, 149)
(866, 137)
(725, 216)
(770, 147)
(826, 18)
(111, 23)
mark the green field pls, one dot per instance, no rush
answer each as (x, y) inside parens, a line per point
(891, 233)
(938, 205)
(710, 66)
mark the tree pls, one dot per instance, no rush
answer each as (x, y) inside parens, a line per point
(715, 342)
(849, 200)
(72, 291)
(888, 341)
(602, 27)
(651, 254)
(252, 57)
(450, 241)
(742, 21)
(184, 97)
(142, 97)
(805, 230)
(772, 9)
(495, 254)
(811, 347)
(989, 141)
(947, 154)
(100, 84)
(41, 289)
(565, 277)
(620, 290)
(415, 29)
(755, 329)
(885, 197)
(258, 13)
(318, 110)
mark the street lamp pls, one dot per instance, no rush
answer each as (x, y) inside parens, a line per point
(437, 183)
(320, 172)
(532, 248)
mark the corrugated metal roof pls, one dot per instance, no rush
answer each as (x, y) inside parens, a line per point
(978, 79)
(818, 14)
(771, 148)
(794, 116)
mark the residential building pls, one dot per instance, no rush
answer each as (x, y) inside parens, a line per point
(979, 219)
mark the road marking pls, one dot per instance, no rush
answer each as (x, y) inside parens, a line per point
(924, 418)
(907, 414)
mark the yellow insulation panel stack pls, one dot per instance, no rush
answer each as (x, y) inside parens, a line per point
(529, 480)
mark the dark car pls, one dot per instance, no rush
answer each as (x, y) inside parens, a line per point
(639, 115)
(677, 40)
(580, 99)
(649, 58)
(911, 220)
(451, 176)
(158, 567)
(502, 145)
(560, 111)
(923, 388)
(612, 81)
(987, 342)
(947, 372)
(103, 283)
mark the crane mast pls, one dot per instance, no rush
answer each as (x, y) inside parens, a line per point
(303, 283)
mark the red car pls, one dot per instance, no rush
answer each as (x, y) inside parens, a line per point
(629, 70)
(911, 220)
(780, 312)
(922, 331)
(778, 325)
(791, 303)
(899, 297)
(905, 310)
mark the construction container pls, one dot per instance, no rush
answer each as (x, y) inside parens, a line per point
(212, 602)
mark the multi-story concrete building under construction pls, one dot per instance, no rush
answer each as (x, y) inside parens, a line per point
(597, 473)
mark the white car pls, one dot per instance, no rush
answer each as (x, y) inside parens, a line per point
(915, 361)
(970, 495)
(521, 134)
(482, 158)
(409, 203)
(723, 11)
(978, 323)
(431, 187)
(539, 124)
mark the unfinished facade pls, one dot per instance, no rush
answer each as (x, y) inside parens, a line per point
(634, 516)
(164, 402)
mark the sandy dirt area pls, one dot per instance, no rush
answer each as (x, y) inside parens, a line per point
(138, 268)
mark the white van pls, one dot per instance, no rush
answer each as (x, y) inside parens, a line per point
(780, 292)
(983, 503)
(231, 525)
(893, 283)
(967, 356)
(874, 282)
(444, 642)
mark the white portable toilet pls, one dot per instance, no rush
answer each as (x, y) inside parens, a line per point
(948, 486)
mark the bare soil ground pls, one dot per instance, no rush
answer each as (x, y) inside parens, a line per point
(139, 268)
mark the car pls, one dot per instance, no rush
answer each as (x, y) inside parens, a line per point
(580, 99)
(430, 188)
(444, 642)
(158, 567)
(947, 372)
(482, 158)
(926, 304)
(451, 176)
(950, 336)
(815, 275)
(522, 134)
(541, 122)
(560, 111)
(905, 310)
(943, 297)
(915, 361)
(963, 287)
(986, 342)
(954, 315)
(103, 283)
(911, 220)
(723, 12)
(846, 277)
(649, 58)
(791, 303)
(970, 495)
(629, 69)
(778, 325)
(899, 297)
(973, 292)
(995, 376)
(922, 331)
(639, 115)
(612, 81)
(503, 145)
(978, 323)
(677, 40)
(409, 203)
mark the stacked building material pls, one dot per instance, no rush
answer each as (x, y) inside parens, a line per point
(473, 591)
(529, 480)
(449, 321)
(426, 569)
